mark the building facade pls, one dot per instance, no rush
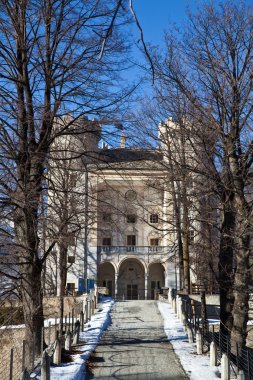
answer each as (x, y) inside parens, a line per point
(131, 251)
(128, 241)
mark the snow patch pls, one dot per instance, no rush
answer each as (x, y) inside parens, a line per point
(92, 333)
(196, 366)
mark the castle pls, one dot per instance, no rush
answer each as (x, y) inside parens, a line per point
(128, 242)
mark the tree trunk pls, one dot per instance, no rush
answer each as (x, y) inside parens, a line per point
(241, 301)
(204, 313)
(186, 255)
(226, 260)
(30, 267)
(241, 279)
(62, 281)
(32, 298)
(179, 235)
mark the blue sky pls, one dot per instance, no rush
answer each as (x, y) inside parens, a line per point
(155, 16)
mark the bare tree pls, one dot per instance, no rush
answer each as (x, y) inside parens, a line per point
(211, 66)
(191, 216)
(49, 63)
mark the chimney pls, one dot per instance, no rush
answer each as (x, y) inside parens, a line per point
(123, 140)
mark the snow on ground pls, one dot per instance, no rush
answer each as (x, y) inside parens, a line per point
(196, 366)
(91, 335)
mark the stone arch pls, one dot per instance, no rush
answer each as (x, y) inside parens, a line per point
(106, 277)
(109, 262)
(157, 261)
(131, 279)
(156, 278)
(133, 257)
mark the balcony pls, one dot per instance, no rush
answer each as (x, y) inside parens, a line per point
(134, 249)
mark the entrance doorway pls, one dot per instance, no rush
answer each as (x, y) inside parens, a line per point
(106, 277)
(131, 280)
(132, 292)
(156, 279)
(108, 284)
(155, 286)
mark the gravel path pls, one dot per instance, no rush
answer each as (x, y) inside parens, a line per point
(135, 347)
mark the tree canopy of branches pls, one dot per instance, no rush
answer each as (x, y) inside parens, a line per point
(206, 75)
(50, 65)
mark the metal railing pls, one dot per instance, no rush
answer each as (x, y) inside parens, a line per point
(240, 360)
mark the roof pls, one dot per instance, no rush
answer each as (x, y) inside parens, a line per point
(129, 155)
(127, 159)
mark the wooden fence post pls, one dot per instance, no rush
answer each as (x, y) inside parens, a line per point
(213, 354)
(25, 375)
(89, 310)
(82, 320)
(72, 321)
(225, 368)
(42, 340)
(170, 295)
(45, 366)
(76, 332)
(174, 305)
(199, 343)
(55, 327)
(11, 364)
(184, 321)
(178, 308)
(68, 340)
(23, 355)
(190, 334)
(241, 375)
(57, 352)
(49, 333)
(86, 311)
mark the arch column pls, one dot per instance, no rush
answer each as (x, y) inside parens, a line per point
(146, 286)
(116, 284)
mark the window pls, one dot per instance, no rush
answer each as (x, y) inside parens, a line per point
(154, 242)
(131, 240)
(131, 218)
(107, 241)
(153, 218)
(106, 217)
(71, 259)
(131, 243)
(191, 236)
(70, 288)
(131, 195)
